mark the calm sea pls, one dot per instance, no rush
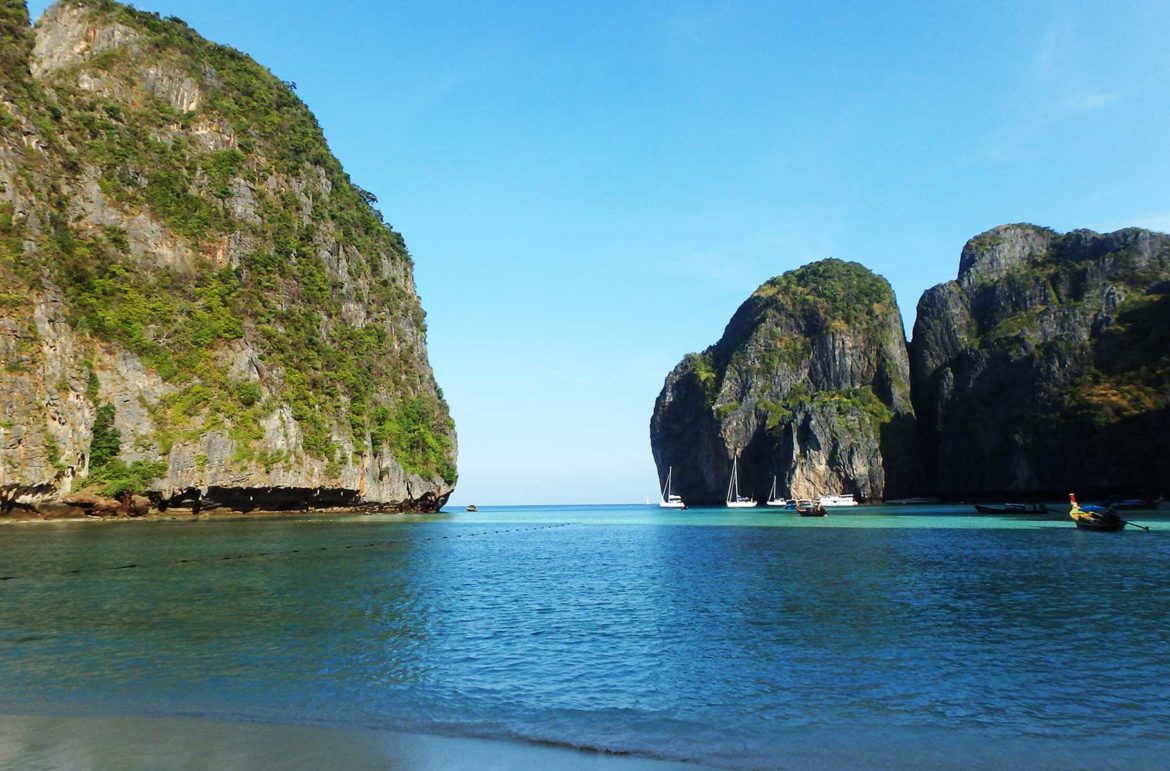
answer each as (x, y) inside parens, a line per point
(883, 636)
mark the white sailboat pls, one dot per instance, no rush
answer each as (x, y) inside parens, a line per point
(772, 499)
(670, 501)
(734, 499)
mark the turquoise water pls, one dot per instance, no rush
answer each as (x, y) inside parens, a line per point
(882, 636)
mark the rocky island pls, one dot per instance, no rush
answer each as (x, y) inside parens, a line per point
(1045, 364)
(198, 308)
(810, 384)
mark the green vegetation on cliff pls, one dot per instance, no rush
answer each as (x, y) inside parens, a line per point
(11, 234)
(1124, 369)
(844, 294)
(109, 473)
(15, 46)
(1130, 375)
(860, 402)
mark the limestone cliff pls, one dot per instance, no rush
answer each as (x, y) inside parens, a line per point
(195, 300)
(809, 383)
(1046, 364)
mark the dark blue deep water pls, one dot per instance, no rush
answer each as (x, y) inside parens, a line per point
(882, 637)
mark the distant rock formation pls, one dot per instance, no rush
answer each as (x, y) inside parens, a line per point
(196, 302)
(810, 383)
(1046, 364)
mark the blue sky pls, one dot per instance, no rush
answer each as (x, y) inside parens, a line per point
(590, 189)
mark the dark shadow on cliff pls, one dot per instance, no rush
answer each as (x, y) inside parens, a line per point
(901, 457)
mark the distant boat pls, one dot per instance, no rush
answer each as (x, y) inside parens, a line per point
(806, 508)
(1013, 508)
(734, 499)
(772, 499)
(670, 501)
(1135, 504)
(472, 507)
(837, 500)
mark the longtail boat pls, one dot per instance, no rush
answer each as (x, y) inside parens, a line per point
(811, 509)
(1094, 517)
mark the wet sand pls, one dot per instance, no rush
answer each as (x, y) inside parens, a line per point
(116, 743)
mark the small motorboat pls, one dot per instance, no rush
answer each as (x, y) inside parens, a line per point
(1013, 508)
(472, 507)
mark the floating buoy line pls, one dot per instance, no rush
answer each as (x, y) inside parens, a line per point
(270, 554)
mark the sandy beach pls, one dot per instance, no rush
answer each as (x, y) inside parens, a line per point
(116, 743)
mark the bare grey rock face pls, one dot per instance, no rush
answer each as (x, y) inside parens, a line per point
(68, 36)
(1001, 250)
(174, 87)
(809, 384)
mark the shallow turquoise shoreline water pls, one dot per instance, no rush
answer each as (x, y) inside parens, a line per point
(906, 636)
(868, 517)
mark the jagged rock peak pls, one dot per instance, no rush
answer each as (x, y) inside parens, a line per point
(994, 253)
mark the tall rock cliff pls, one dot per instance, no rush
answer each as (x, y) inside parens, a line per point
(810, 383)
(195, 300)
(1046, 364)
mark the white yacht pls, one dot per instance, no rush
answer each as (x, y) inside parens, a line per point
(773, 500)
(670, 501)
(734, 499)
(837, 501)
